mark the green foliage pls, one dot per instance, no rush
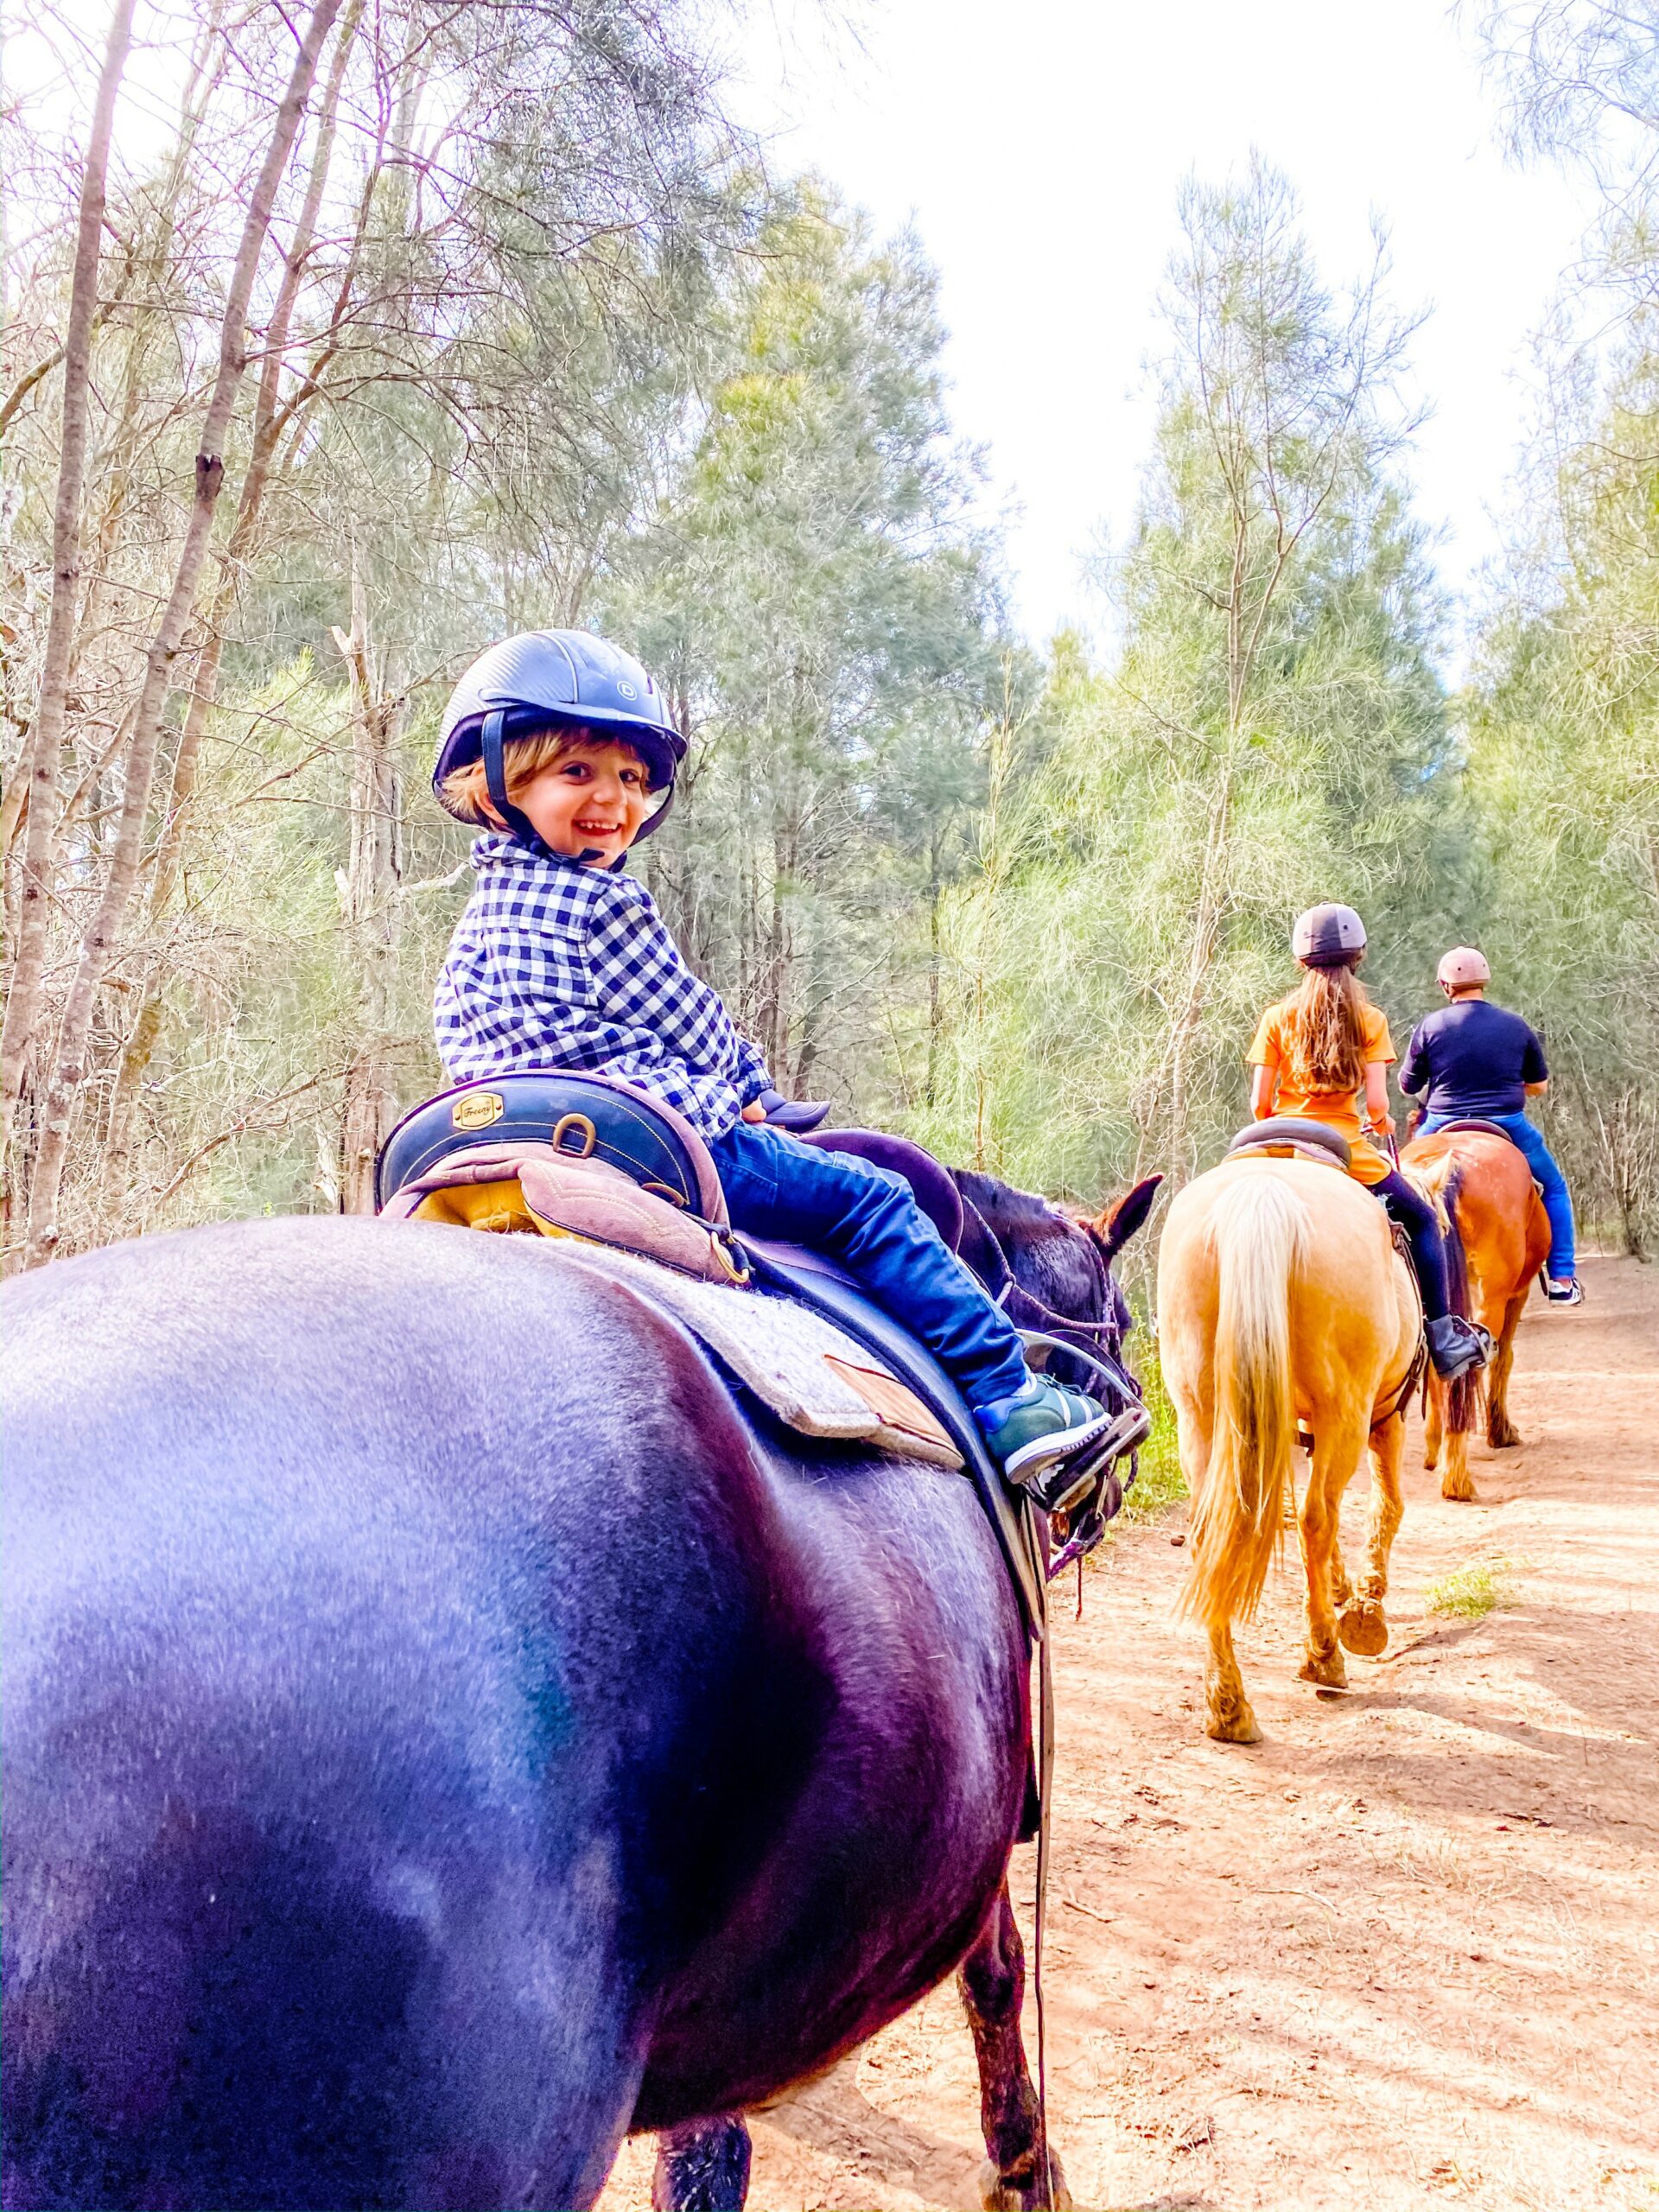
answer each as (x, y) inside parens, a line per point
(1273, 733)
(1469, 1593)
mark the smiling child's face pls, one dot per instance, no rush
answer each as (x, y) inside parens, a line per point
(593, 798)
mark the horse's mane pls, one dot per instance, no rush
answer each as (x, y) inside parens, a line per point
(1000, 1206)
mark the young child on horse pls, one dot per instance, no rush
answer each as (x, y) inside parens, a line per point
(562, 749)
(1314, 1054)
(1478, 1061)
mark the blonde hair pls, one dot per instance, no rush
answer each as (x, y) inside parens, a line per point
(466, 792)
(1325, 1029)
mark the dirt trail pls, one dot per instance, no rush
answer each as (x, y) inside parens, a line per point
(1405, 1952)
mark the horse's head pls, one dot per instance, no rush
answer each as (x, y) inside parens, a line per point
(1051, 1271)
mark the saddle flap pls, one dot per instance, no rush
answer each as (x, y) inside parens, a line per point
(817, 1380)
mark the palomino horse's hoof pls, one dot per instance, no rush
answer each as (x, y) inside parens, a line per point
(1459, 1490)
(1364, 1628)
(1233, 1723)
(1026, 2193)
(1326, 1669)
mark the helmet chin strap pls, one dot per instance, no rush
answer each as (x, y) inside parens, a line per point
(518, 823)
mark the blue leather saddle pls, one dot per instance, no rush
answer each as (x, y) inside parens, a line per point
(589, 1116)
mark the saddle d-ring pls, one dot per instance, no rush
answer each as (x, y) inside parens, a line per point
(730, 1255)
(586, 1134)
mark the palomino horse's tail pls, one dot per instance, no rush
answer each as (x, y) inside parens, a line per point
(1258, 1233)
(1438, 1181)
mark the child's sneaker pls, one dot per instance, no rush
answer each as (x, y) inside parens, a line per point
(1563, 1290)
(1041, 1424)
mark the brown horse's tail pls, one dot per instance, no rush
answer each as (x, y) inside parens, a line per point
(1258, 1233)
(1440, 1181)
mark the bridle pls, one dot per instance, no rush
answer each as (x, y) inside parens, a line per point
(1008, 1287)
(1048, 1326)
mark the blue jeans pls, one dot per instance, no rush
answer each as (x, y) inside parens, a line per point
(866, 1218)
(1558, 1204)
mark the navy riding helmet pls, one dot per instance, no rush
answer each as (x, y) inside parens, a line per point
(544, 678)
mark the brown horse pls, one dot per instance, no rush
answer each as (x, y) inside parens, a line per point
(1282, 1304)
(1505, 1234)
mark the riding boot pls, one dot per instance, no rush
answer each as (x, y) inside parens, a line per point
(1455, 1345)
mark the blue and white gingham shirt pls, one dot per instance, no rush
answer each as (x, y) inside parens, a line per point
(555, 965)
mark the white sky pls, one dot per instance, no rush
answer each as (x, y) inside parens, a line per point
(1038, 145)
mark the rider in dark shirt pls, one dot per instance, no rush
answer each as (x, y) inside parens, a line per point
(1480, 1061)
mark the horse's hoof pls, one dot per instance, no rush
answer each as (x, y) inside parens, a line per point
(1509, 1440)
(1326, 1669)
(1459, 1490)
(1233, 1723)
(1364, 1628)
(1024, 2191)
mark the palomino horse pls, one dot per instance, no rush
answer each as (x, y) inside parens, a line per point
(1504, 1232)
(1283, 1305)
(446, 1728)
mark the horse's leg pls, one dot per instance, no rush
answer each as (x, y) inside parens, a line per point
(991, 1980)
(1433, 1419)
(1501, 1431)
(1456, 1481)
(702, 2166)
(1364, 1625)
(1336, 1445)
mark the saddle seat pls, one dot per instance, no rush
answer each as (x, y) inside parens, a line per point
(1291, 1136)
(628, 1181)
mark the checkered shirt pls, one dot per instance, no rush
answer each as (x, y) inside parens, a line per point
(553, 965)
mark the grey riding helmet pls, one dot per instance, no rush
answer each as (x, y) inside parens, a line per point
(1327, 937)
(545, 678)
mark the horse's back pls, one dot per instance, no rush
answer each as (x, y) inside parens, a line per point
(340, 1837)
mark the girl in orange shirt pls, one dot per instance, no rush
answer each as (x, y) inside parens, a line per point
(1315, 1054)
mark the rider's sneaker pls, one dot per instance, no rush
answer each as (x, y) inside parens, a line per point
(1563, 1290)
(1455, 1345)
(1041, 1424)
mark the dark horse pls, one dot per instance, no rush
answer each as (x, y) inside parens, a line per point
(444, 1731)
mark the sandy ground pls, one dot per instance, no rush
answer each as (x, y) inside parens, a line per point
(1405, 1952)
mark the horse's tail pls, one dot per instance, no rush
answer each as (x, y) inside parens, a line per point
(1258, 1233)
(1440, 1181)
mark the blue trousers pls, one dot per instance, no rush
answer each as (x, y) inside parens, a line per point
(1558, 1203)
(866, 1218)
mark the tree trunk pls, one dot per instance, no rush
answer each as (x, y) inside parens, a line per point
(34, 904)
(98, 947)
(369, 900)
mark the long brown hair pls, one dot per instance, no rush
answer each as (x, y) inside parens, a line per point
(1325, 1031)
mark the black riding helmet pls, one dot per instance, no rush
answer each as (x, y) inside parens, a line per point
(546, 679)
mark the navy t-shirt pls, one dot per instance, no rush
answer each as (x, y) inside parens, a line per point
(1475, 1057)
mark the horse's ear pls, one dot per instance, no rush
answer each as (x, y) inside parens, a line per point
(1120, 1220)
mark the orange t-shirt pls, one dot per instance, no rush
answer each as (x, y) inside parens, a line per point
(1338, 1109)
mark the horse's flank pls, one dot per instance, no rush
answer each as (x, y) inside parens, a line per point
(415, 1611)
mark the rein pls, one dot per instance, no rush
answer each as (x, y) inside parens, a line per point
(1010, 1286)
(1102, 1357)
